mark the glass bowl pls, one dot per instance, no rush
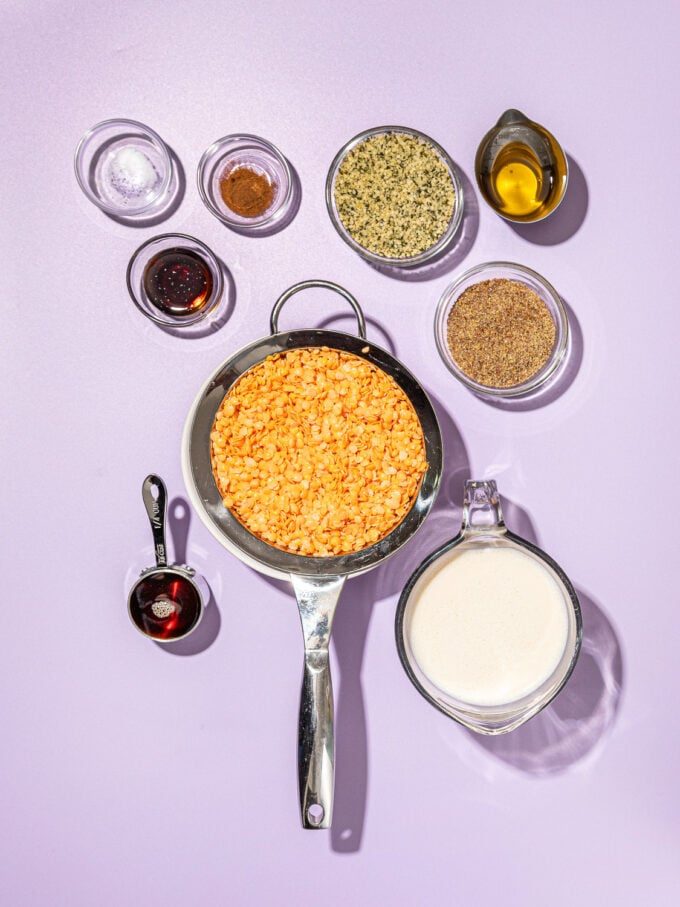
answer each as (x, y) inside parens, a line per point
(414, 260)
(104, 178)
(234, 151)
(507, 270)
(149, 250)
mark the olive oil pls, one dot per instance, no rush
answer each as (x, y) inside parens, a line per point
(521, 169)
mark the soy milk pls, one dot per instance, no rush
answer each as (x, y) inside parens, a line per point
(488, 626)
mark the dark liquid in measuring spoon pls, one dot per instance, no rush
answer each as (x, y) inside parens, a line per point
(178, 282)
(165, 605)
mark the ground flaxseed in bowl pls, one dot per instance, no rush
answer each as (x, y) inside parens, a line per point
(502, 330)
(317, 452)
(395, 195)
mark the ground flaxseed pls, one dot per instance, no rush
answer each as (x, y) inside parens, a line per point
(500, 332)
(394, 195)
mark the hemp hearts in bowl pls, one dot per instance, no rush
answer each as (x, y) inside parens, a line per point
(394, 195)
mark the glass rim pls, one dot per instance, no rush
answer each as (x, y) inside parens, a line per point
(212, 262)
(517, 711)
(206, 195)
(559, 316)
(156, 140)
(513, 219)
(456, 216)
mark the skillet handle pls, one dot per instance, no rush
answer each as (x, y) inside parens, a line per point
(316, 743)
(328, 285)
(317, 598)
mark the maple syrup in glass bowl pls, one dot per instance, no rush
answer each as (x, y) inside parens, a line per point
(175, 280)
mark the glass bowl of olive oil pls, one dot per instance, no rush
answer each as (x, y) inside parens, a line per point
(521, 169)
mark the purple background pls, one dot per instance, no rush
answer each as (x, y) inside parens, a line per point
(135, 775)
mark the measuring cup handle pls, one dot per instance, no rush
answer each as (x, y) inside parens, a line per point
(326, 284)
(482, 510)
(155, 505)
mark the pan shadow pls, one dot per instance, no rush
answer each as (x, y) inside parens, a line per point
(583, 712)
(350, 630)
(179, 520)
(335, 321)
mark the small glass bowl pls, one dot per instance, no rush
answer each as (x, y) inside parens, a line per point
(234, 151)
(426, 255)
(142, 257)
(95, 154)
(507, 270)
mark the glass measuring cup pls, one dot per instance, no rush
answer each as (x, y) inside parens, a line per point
(483, 528)
(521, 169)
(167, 601)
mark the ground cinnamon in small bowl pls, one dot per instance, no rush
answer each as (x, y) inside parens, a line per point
(247, 192)
(500, 332)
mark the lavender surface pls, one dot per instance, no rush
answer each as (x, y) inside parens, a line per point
(133, 774)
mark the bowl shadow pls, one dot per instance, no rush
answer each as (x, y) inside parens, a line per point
(175, 196)
(286, 220)
(579, 717)
(451, 257)
(558, 384)
(565, 220)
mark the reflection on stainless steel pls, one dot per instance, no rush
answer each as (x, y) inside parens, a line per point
(316, 581)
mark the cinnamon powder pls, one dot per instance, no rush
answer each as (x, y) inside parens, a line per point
(246, 192)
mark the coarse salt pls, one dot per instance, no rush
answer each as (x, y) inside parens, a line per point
(131, 173)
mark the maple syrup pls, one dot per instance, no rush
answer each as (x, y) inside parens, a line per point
(165, 605)
(178, 282)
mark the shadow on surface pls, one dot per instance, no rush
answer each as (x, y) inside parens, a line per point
(559, 383)
(217, 319)
(581, 714)
(179, 520)
(331, 323)
(288, 217)
(350, 630)
(566, 220)
(176, 191)
(454, 255)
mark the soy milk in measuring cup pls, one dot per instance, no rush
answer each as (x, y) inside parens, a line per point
(488, 626)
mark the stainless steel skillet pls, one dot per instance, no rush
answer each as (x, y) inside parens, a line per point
(317, 581)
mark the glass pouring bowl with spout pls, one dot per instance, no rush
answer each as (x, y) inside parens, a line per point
(488, 628)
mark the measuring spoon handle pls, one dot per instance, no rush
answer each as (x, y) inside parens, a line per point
(155, 499)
